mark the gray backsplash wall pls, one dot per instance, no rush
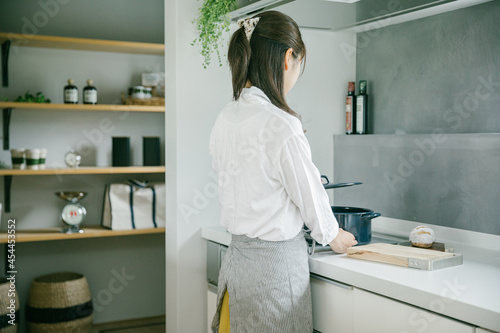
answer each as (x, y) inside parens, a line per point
(440, 75)
(442, 71)
(444, 179)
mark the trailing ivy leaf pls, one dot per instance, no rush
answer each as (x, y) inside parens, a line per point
(212, 22)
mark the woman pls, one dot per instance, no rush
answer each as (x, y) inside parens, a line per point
(268, 185)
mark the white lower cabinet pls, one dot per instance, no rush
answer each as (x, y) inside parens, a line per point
(332, 304)
(340, 308)
(375, 313)
(211, 305)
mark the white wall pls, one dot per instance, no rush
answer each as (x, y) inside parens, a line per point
(194, 98)
(319, 95)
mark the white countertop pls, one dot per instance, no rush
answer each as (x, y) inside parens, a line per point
(469, 292)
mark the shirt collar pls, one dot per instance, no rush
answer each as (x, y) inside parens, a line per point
(254, 92)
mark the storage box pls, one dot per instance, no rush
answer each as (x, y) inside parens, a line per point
(155, 80)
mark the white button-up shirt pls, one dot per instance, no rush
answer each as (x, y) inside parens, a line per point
(268, 184)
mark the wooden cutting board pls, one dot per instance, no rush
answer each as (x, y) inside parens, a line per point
(404, 256)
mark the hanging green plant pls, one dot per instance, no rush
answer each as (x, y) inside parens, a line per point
(212, 22)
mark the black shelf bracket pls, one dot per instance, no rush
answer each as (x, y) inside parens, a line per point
(6, 125)
(5, 63)
(7, 184)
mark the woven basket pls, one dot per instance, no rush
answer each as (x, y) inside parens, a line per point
(5, 302)
(156, 101)
(59, 302)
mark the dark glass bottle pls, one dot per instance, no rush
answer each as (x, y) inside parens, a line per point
(70, 93)
(90, 93)
(361, 109)
(350, 109)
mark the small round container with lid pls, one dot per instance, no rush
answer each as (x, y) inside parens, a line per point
(18, 158)
(33, 158)
(141, 92)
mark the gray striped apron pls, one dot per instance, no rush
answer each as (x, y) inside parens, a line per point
(268, 286)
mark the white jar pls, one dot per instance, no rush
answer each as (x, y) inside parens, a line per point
(141, 92)
(18, 158)
(33, 158)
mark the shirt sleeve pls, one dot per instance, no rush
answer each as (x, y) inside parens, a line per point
(302, 182)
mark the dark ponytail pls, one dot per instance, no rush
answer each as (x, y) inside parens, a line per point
(261, 60)
(239, 60)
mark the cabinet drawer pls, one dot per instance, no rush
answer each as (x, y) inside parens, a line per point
(332, 304)
(373, 312)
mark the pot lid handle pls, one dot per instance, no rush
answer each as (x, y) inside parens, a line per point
(328, 186)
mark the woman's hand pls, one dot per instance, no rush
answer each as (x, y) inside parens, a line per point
(343, 241)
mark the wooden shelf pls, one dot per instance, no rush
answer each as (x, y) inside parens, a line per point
(85, 44)
(83, 171)
(52, 234)
(82, 107)
(9, 173)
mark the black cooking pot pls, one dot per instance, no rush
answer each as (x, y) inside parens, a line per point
(358, 221)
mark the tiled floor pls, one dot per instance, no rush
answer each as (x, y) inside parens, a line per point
(146, 325)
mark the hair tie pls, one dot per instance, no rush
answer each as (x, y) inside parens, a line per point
(249, 25)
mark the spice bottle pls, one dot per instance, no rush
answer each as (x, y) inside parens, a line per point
(90, 93)
(350, 109)
(361, 109)
(71, 93)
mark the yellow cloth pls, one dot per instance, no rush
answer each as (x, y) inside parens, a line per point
(224, 315)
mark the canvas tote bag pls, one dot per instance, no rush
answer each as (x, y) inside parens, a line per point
(134, 205)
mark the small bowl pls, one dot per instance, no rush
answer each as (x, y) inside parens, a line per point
(71, 196)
